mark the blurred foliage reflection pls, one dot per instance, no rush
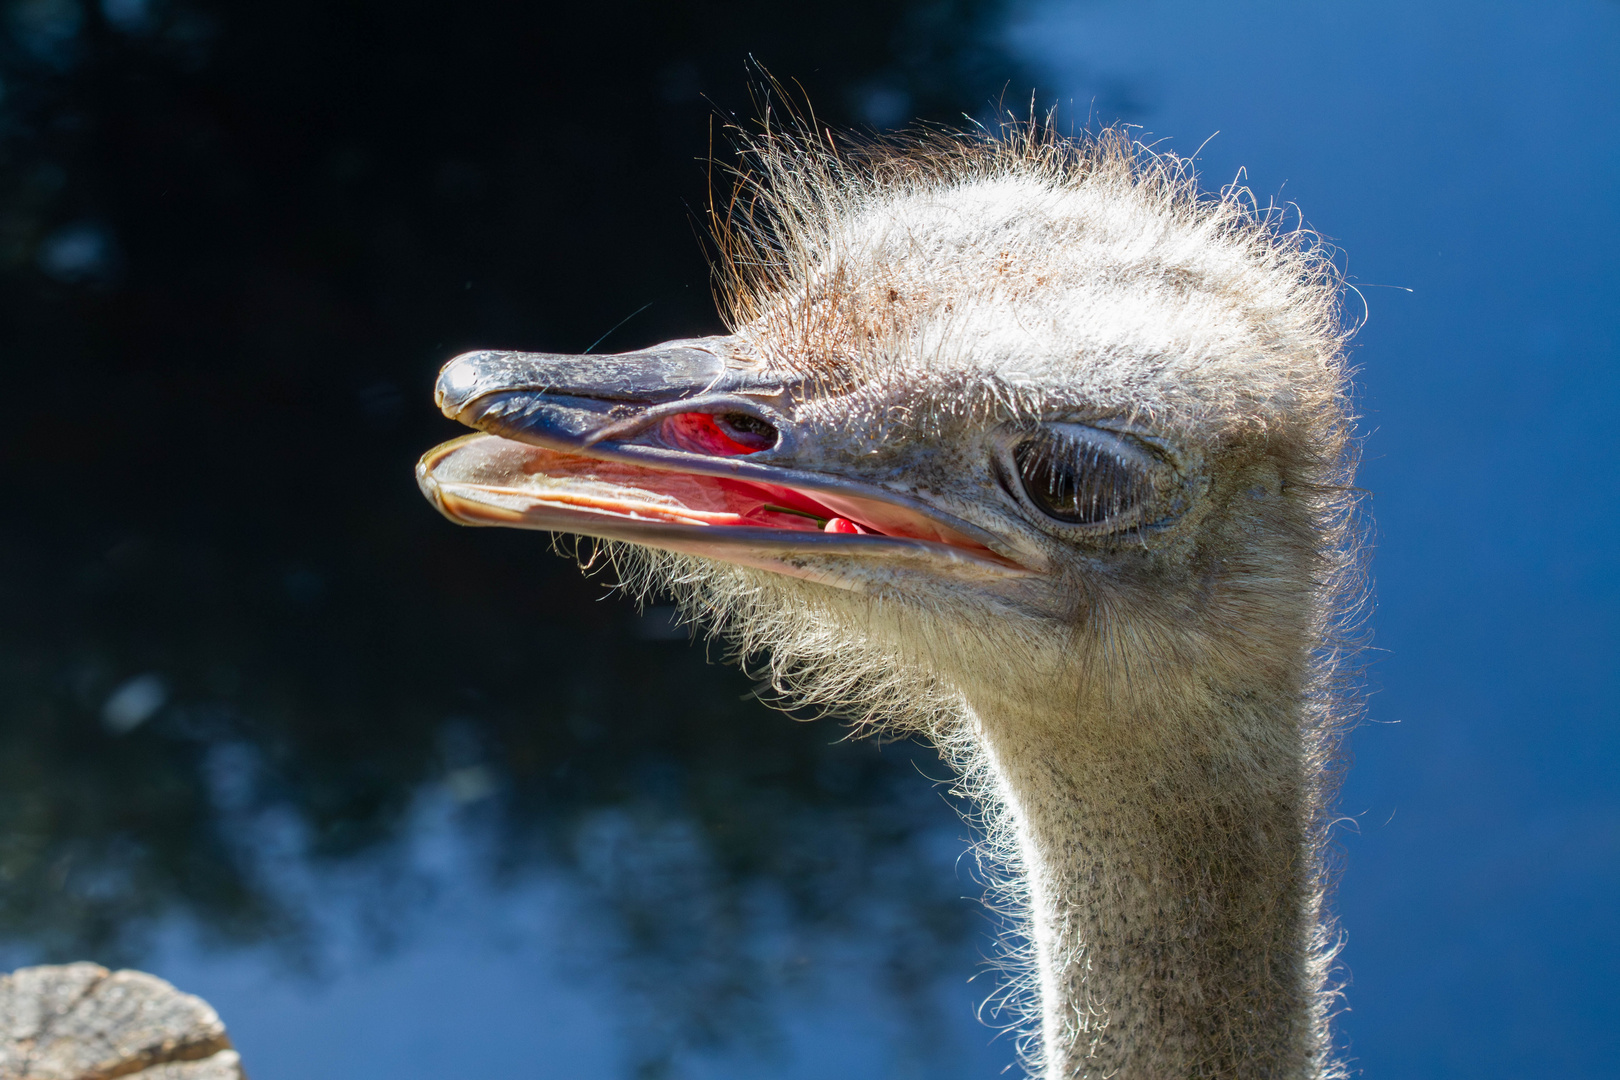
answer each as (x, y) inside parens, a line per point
(236, 240)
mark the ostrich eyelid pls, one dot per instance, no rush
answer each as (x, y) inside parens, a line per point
(1055, 450)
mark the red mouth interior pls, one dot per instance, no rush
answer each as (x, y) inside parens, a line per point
(702, 433)
(491, 480)
(755, 504)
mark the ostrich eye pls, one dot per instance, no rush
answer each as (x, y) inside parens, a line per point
(1082, 476)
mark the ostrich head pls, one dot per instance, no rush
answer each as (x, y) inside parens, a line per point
(1020, 443)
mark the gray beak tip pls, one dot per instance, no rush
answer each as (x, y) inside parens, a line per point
(458, 381)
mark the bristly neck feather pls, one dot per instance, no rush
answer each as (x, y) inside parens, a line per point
(1154, 779)
(1168, 841)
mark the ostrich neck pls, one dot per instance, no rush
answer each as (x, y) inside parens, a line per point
(1171, 879)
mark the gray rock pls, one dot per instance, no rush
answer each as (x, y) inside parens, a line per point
(82, 1022)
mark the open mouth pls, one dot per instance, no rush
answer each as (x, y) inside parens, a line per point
(497, 477)
(675, 475)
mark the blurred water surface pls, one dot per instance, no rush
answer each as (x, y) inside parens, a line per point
(399, 798)
(414, 801)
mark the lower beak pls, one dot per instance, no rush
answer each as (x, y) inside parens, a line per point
(688, 447)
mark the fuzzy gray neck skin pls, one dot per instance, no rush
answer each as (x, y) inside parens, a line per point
(1171, 881)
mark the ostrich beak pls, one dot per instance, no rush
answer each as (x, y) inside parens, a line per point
(687, 447)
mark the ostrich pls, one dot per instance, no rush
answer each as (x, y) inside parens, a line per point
(1019, 443)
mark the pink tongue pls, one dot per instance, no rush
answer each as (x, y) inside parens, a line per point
(842, 525)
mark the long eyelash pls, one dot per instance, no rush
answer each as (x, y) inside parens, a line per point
(1079, 481)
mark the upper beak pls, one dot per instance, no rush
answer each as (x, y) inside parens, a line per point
(536, 397)
(626, 447)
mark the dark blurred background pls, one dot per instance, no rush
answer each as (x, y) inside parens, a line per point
(409, 800)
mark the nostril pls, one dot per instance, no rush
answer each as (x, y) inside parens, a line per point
(728, 434)
(749, 431)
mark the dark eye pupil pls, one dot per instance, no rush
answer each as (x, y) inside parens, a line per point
(751, 431)
(1076, 481)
